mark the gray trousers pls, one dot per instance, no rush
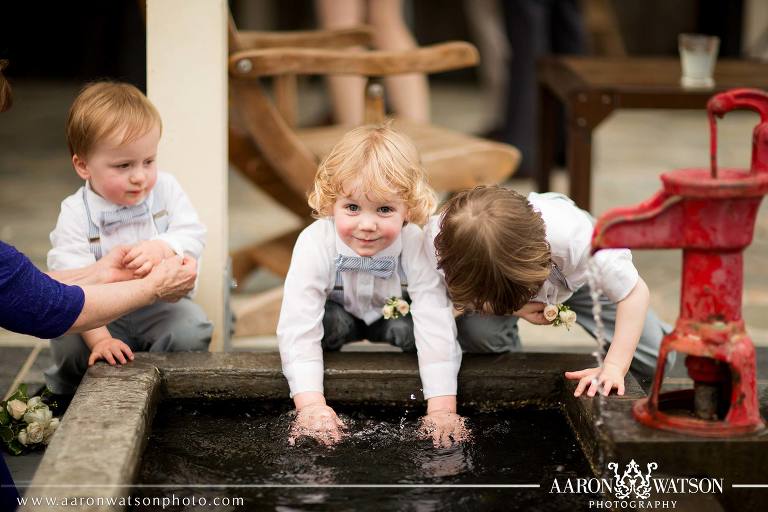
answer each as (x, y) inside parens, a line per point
(340, 327)
(492, 334)
(161, 327)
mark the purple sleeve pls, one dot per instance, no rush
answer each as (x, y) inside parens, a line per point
(33, 303)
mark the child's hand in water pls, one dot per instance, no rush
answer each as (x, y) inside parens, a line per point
(145, 255)
(112, 351)
(599, 379)
(445, 428)
(319, 422)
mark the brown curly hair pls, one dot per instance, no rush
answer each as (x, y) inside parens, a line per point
(493, 250)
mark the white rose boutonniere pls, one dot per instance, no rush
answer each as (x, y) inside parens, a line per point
(395, 307)
(560, 314)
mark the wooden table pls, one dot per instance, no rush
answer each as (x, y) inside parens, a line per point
(592, 88)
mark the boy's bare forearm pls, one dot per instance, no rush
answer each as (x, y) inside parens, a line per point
(94, 336)
(630, 317)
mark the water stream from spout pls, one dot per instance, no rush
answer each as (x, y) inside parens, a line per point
(597, 315)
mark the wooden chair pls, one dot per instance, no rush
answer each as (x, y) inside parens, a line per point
(281, 159)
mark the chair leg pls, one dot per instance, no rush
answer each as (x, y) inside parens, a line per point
(258, 316)
(274, 255)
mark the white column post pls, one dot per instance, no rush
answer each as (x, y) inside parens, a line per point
(187, 82)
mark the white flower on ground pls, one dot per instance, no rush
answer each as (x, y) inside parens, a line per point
(402, 307)
(50, 429)
(388, 311)
(550, 312)
(41, 414)
(22, 437)
(35, 433)
(16, 408)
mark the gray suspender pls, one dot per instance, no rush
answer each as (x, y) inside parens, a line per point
(159, 217)
(94, 239)
(557, 277)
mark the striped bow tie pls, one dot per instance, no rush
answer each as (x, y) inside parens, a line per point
(379, 267)
(137, 214)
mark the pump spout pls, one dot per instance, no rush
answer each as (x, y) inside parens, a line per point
(655, 223)
(691, 211)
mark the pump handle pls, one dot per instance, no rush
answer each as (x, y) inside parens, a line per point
(737, 99)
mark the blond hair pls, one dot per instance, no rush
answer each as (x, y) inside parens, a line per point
(382, 162)
(493, 250)
(104, 110)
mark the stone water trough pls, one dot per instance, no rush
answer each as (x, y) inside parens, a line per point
(98, 450)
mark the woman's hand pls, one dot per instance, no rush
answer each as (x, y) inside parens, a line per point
(445, 428)
(608, 377)
(173, 278)
(318, 421)
(110, 268)
(112, 351)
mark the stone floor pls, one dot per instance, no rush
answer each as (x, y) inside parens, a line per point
(630, 150)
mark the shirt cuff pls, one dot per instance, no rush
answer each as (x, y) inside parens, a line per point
(302, 377)
(439, 379)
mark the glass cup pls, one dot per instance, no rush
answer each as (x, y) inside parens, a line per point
(698, 54)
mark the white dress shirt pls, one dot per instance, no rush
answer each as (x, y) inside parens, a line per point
(569, 233)
(310, 280)
(71, 248)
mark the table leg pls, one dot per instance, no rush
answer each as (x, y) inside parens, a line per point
(547, 135)
(579, 155)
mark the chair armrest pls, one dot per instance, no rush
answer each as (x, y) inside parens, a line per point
(311, 61)
(339, 38)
